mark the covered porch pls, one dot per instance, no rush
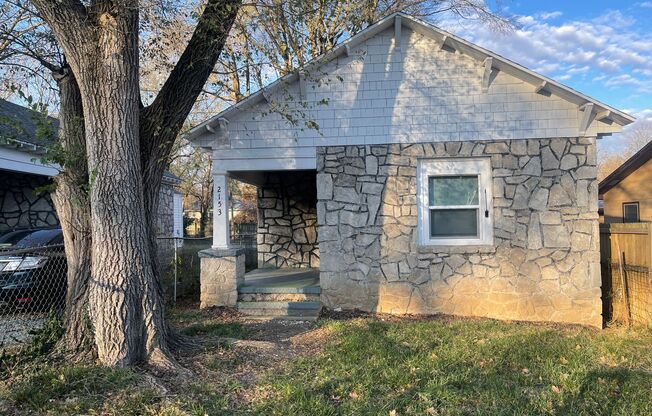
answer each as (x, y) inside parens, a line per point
(286, 280)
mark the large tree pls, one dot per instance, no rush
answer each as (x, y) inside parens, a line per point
(126, 149)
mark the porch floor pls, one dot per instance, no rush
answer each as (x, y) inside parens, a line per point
(286, 278)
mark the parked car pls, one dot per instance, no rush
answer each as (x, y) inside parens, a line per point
(12, 237)
(33, 271)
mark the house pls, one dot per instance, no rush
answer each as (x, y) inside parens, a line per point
(24, 178)
(627, 191)
(421, 174)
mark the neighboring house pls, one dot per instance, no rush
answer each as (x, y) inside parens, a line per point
(627, 191)
(425, 174)
(24, 180)
(23, 136)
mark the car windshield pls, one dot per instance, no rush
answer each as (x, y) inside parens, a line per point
(13, 237)
(41, 238)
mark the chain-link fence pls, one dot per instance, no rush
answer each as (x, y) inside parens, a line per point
(182, 265)
(32, 289)
(33, 277)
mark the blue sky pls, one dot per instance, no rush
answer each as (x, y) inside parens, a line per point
(601, 48)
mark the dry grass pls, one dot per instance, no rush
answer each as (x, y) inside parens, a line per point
(360, 364)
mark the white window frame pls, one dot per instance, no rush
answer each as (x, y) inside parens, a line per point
(456, 166)
(638, 211)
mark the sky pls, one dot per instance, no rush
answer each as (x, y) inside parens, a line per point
(601, 48)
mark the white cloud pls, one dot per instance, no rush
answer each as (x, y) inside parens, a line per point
(549, 15)
(608, 48)
(641, 115)
(645, 4)
(578, 70)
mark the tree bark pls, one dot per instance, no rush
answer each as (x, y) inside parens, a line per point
(121, 271)
(73, 207)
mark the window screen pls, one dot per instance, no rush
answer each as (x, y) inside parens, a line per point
(630, 212)
(453, 202)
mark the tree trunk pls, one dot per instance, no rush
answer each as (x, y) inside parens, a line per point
(71, 202)
(122, 304)
(127, 150)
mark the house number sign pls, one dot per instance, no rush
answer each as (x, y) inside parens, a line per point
(218, 200)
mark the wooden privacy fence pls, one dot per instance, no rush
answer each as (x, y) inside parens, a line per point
(626, 260)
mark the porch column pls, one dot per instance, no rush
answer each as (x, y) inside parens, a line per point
(222, 266)
(221, 231)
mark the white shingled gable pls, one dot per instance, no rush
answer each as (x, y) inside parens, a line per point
(430, 86)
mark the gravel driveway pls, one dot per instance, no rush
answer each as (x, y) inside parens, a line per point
(15, 328)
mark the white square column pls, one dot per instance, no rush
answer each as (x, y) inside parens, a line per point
(221, 230)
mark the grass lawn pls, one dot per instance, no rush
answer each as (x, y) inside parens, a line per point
(363, 365)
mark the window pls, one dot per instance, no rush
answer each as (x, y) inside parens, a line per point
(455, 201)
(630, 212)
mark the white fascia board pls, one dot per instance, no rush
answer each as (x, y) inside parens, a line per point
(25, 162)
(224, 166)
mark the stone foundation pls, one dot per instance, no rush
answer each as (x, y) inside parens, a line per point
(543, 265)
(287, 218)
(221, 272)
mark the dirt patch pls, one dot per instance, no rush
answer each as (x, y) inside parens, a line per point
(223, 362)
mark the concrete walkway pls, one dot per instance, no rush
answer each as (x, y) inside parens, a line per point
(296, 278)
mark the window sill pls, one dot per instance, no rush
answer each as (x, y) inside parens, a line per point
(459, 249)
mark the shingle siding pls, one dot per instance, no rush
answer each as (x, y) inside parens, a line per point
(419, 94)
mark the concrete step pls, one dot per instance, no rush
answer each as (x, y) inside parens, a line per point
(282, 318)
(277, 297)
(280, 309)
(314, 290)
(278, 294)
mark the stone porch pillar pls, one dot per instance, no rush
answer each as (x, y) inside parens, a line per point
(221, 272)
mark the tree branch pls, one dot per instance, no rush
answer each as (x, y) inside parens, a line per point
(68, 19)
(162, 120)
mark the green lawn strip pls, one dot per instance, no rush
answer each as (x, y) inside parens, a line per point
(466, 367)
(369, 366)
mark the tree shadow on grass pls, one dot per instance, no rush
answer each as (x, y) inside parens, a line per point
(457, 368)
(611, 391)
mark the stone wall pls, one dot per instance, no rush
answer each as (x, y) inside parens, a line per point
(287, 217)
(165, 227)
(543, 265)
(23, 207)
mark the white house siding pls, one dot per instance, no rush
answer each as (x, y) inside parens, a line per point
(381, 94)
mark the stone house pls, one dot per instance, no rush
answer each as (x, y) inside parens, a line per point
(420, 174)
(627, 191)
(24, 180)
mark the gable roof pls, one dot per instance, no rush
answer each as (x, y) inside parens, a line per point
(21, 127)
(445, 38)
(624, 170)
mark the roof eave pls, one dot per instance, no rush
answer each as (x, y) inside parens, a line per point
(630, 165)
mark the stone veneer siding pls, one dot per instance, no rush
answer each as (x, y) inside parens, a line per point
(21, 206)
(287, 218)
(165, 226)
(543, 265)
